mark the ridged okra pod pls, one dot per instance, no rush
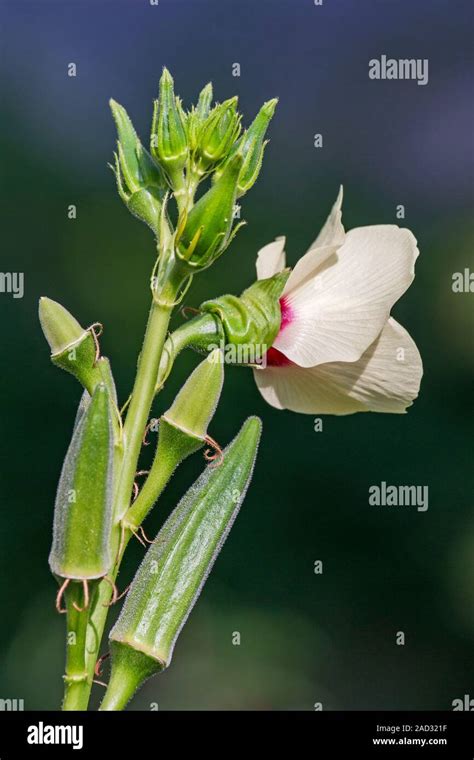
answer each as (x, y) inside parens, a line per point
(83, 509)
(175, 568)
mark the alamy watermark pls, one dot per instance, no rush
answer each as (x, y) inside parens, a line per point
(463, 282)
(12, 705)
(46, 734)
(13, 283)
(466, 703)
(253, 354)
(385, 495)
(399, 68)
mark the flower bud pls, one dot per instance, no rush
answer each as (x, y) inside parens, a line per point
(140, 181)
(169, 142)
(218, 134)
(175, 568)
(204, 102)
(208, 229)
(252, 145)
(198, 115)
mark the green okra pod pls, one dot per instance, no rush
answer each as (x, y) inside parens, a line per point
(175, 568)
(83, 509)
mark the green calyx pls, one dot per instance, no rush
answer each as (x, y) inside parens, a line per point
(140, 182)
(249, 323)
(208, 228)
(254, 318)
(169, 144)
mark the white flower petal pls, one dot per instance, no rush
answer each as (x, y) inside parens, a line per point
(333, 231)
(385, 379)
(336, 311)
(271, 259)
(330, 238)
(308, 267)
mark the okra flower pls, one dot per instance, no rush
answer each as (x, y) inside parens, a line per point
(338, 350)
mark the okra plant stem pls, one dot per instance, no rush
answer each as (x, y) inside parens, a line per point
(135, 424)
(77, 681)
(140, 404)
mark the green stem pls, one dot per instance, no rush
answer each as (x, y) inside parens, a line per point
(130, 669)
(140, 404)
(200, 333)
(76, 679)
(185, 190)
(135, 424)
(159, 475)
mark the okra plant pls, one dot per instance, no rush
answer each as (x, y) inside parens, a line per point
(319, 339)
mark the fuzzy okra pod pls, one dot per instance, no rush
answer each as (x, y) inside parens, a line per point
(83, 510)
(175, 568)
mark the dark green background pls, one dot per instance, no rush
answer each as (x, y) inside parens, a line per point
(305, 638)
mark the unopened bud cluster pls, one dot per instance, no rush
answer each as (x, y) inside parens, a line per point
(186, 148)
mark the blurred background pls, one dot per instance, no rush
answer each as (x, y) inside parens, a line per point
(305, 638)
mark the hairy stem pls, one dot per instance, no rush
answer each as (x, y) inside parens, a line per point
(128, 673)
(135, 424)
(77, 681)
(140, 404)
(159, 475)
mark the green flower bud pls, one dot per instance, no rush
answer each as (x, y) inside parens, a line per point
(182, 431)
(208, 229)
(193, 125)
(252, 145)
(197, 116)
(169, 145)
(254, 318)
(175, 568)
(83, 509)
(140, 182)
(218, 134)
(204, 102)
